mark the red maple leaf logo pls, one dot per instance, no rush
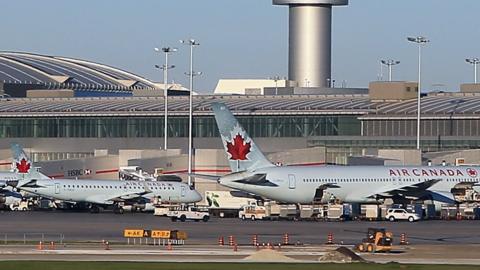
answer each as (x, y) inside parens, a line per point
(472, 172)
(238, 149)
(23, 166)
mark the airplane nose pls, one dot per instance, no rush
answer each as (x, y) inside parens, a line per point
(196, 196)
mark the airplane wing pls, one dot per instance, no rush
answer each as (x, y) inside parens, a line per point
(413, 190)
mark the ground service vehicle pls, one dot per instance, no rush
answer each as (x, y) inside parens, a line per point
(378, 240)
(252, 212)
(401, 214)
(227, 203)
(188, 214)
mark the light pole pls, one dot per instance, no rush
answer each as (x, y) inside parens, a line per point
(165, 68)
(474, 62)
(276, 79)
(389, 63)
(192, 43)
(420, 42)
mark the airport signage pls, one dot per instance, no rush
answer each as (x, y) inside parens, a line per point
(160, 234)
(155, 234)
(133, 233)
(77, 172)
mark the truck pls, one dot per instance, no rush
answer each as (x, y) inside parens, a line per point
(189, 213)
(252, 212)
(228, 203)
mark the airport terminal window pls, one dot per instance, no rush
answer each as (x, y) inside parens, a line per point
(204, 126)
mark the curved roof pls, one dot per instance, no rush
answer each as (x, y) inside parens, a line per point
(28, 68)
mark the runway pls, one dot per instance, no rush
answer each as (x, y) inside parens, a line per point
(86, 227)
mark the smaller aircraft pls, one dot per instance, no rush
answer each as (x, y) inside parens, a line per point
(98, 193)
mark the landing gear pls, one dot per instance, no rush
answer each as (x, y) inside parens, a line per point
(94, 209)
(118, 210)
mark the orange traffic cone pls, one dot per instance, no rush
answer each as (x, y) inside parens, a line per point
(286, 239)
(329, 239)
(220, 241)
(403, 239)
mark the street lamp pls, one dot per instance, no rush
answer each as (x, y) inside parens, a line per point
(192, 43)
(420, 42)
(165, 68)
(474, 62)
(389, 63)
(276, 79)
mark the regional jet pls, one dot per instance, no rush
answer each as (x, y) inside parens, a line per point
(99, 193)
(252, 172)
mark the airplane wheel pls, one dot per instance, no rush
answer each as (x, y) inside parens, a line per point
(183, 218)
(392, 219)
(411, 219)
(253, 218)
(119, 210)
(94, 210)
(243, 217)
(370, 248)
(205, 218)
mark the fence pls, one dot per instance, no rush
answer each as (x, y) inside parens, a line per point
(30, 238)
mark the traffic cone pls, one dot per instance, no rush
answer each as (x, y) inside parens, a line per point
(220, 241)
(40, 245)
(286, 239)
(52, 245)
(169, 245)
(231, 240)
(403, 239)
(107, 245)
(255, 240)
(235, 247)
(329, 239)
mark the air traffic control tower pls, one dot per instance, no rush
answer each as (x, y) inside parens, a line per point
(310, 41)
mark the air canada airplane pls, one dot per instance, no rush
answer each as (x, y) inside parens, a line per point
(98, 193)
(252, 172)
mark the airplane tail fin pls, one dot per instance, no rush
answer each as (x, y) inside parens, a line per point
(23, 166)
(242, 153)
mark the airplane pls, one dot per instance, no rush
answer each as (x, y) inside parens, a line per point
(252, 172)
(98, 193)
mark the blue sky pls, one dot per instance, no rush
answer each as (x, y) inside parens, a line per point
(247, 38)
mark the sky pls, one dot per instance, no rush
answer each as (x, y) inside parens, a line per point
(247, 39)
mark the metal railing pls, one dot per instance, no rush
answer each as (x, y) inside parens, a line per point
(29, 238)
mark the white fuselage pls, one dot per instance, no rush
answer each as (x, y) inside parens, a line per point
(110, 191)
(351, 184)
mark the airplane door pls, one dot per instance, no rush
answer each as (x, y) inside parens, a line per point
(291, 181)
(183, 191)
(57, 188)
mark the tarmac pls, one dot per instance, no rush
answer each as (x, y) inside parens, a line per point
(79, 236)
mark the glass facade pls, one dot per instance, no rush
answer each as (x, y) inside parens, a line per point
(204, 126)
(429, 127)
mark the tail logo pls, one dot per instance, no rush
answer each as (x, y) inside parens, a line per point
(23, 166)
(238, 148)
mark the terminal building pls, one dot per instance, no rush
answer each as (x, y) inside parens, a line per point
(104, 130)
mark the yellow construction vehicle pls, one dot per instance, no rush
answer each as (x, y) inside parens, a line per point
(378, 240)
